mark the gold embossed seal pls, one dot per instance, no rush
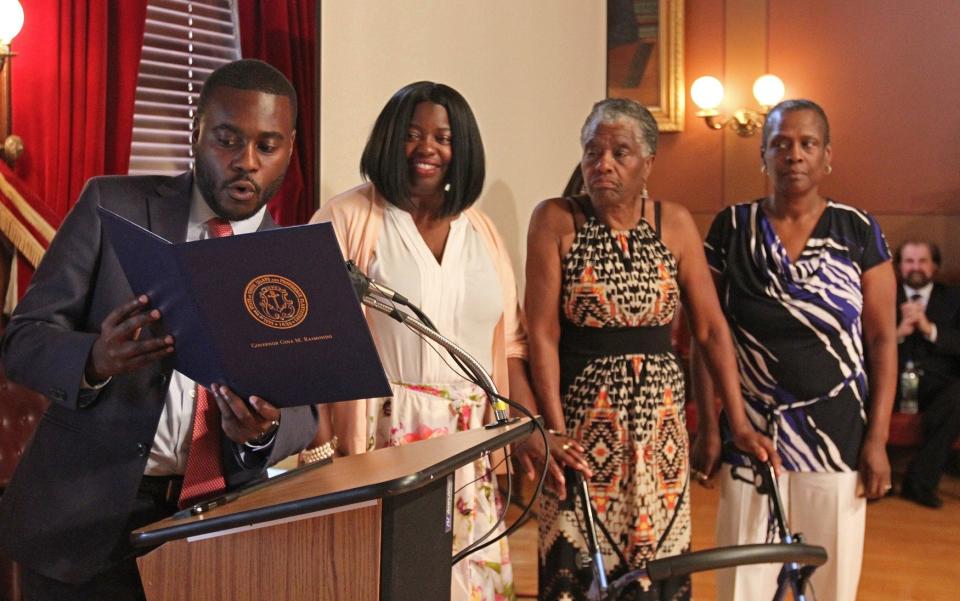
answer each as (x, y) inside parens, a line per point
(275, 301)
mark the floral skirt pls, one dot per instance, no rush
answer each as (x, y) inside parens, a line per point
(423, 411)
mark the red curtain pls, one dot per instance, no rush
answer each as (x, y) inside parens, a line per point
(284, 34)
(74, 83)
(73, 90)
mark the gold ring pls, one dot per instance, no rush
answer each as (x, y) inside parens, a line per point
(566, 446)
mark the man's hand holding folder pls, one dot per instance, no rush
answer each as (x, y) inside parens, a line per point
(279, 321)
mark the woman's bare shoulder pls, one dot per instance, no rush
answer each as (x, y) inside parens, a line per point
(675, 217)
(673, 210)
(678, 229)
(554, 215)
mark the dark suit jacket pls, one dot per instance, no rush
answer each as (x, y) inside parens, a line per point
(71, 495)
(941, 359)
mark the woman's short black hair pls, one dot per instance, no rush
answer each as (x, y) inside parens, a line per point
(384, 161)
(790, 106)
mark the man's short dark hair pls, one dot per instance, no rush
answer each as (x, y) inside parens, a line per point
(248, 74)
(934, 251)
(384, 160)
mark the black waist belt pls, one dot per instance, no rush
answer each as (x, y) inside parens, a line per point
(579, 345)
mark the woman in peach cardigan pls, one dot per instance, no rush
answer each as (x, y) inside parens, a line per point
(413, 227)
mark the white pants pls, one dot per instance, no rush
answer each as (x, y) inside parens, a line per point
(824, 507)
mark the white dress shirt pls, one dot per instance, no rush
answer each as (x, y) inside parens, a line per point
(171, 444)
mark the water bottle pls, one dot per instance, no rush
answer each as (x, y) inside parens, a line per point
(909, 383)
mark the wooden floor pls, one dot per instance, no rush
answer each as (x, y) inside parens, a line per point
(911, 553)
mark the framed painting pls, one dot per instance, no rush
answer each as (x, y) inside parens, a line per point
(645, 57)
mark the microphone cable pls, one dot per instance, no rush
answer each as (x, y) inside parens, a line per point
(481, 543)
(362, 284)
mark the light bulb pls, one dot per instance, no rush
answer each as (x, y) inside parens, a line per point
(11, 20)
(768, 90)
(707, 92)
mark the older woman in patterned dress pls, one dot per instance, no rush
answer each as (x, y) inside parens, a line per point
(605, 274)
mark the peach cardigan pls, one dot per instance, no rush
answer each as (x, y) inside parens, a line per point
(357, 217)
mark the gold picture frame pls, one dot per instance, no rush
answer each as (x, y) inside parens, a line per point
(645, 57)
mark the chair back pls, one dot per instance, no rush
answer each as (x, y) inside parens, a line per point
(20, 410)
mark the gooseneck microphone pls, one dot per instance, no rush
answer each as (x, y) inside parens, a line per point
(368, 291)
(361, 283)
(370, 294)
(364, 285)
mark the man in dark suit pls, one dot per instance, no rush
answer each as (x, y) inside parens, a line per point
(928, 318)
(111, 452)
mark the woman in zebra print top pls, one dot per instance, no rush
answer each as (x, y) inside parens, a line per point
(809, 292)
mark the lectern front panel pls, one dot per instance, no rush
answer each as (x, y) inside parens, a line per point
(331, 557)
(416, 543)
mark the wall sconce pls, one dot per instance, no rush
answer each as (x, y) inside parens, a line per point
(11, 21)
(707, 93)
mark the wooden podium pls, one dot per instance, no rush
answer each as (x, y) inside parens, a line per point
(362, 528)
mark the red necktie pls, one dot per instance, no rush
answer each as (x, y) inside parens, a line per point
(204, 474)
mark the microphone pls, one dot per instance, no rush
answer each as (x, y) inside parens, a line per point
(366, 288)
(363, 286)
(361, 283)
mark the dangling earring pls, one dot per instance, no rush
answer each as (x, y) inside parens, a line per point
(828, 169)
(644, 194)
(763, 168)
(446, 187)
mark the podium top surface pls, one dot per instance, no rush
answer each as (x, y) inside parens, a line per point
(346, 480)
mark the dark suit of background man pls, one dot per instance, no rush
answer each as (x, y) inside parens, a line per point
(108, 455)
(928, 318)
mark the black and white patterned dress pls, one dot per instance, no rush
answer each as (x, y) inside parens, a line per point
(798, 331)
(625, 407)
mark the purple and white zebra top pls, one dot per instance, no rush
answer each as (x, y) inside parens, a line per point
(797, 328)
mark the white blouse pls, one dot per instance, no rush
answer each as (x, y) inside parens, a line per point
(461, 295)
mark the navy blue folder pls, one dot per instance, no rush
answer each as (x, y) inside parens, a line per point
(271, 313)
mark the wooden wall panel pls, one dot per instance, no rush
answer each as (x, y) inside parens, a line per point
(885, 71)
(689, 166)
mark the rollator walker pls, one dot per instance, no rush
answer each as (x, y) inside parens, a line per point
(799, 559)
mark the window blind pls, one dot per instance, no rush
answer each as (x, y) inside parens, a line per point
(183, 42)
